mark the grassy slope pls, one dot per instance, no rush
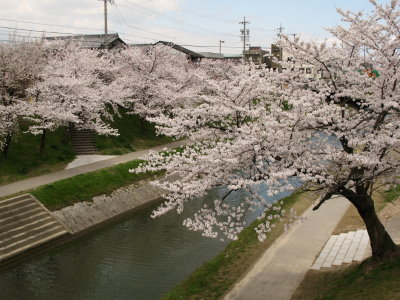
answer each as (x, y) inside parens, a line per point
(134, 135)
(215, 278)
(85, 186)
(23, 159)
(365, 281)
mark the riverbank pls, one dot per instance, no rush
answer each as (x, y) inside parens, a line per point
(214, 278)
(82, 216)
(24, 186)
(359, 281)
(84, 201)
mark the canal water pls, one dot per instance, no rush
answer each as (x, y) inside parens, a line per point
(134, 258)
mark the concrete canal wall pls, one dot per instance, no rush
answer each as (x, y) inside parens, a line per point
(85, 215)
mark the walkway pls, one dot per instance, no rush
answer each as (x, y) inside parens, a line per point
(34, 182)
(283, 266)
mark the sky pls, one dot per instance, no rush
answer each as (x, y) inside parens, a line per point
(199, 25)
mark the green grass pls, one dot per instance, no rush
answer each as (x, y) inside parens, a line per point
(392, 194)
(85, 186)
(214, 278)
(24, 161)
(134, 134)
(365, 282)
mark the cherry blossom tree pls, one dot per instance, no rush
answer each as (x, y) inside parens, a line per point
(152, 79)
(20, 65)
(251, 126)
(74, 89)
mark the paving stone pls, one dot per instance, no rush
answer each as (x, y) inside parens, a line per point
(343, 248)
(360, 252)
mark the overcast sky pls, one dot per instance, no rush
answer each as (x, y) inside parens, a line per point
(201, 23)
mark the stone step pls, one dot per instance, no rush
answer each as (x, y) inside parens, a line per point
(31, 240)
(343, 248)
(13, 205)
(14, 200)
(28, 205)
(78, 135)
(31, 243)
(25, 221)
(34, 230)
(83, 146)
(83, 140)
(18, 217)
(31, 223)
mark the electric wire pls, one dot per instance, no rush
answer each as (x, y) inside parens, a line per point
(156, 14)
(141, 29)
(47, 24)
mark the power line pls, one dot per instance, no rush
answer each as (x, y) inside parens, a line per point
(32, 30)
(141, 29)
(156, 14)
(47, 24)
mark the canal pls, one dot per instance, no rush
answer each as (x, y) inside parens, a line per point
(133, 258)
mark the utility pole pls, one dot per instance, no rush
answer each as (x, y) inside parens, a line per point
(105, 18)
(294, 36)
(220, 43)
(245, 33)
(280, 30)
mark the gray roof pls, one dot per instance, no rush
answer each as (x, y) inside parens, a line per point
(212, 55)
(182, 49)
(94, 41)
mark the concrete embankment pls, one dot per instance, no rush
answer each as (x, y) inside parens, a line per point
(25, 224)
(85, 215)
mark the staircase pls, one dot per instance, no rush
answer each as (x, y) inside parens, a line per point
(344, 248)
(25, 224)
(83, 141)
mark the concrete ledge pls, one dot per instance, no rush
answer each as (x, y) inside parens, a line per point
(85, 215)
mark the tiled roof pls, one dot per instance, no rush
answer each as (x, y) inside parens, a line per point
(95, 41)
(182, 49)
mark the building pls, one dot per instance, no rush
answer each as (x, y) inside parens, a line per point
(93, 41)
(212, 55)
(279, 55)
(191, 55)
(256, 55)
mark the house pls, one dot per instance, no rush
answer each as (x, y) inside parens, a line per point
(94, 41)
(256, 55)
(212, 55)
(191, 55)
(279, 55)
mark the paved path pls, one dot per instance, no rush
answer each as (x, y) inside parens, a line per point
(34, 182)
(283, 266)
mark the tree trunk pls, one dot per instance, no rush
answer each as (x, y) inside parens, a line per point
(7, 143)
(382, 245)
(142, 124)
(42, 143)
